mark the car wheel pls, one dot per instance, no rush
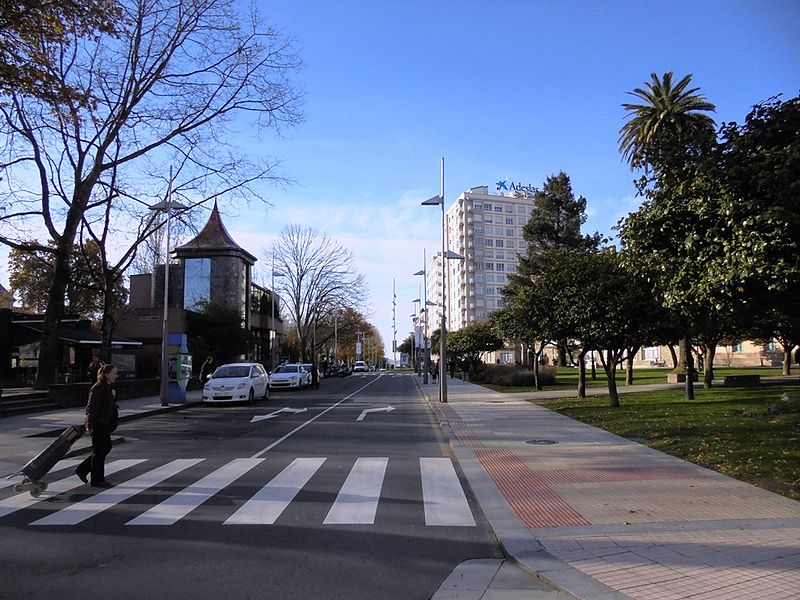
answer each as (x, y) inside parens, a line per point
(251, 396)
(266, 392)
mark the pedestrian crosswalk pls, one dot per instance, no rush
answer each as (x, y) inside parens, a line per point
(356, 501)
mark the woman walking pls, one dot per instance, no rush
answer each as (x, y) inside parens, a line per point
(102, 416)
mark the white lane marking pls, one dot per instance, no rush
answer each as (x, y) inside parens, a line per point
(444, 499)
(270, 501)
(60, 466)
(272, 415)
(77, 513)
(181, 504)
(298, 428)
(15, 503)
(366, 411)
(357, 501)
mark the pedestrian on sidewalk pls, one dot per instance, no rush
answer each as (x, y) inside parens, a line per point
(102, 416)
(206, 370)
(93, 368)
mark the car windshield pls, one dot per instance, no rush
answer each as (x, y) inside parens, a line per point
(287, 369)
(232, 371)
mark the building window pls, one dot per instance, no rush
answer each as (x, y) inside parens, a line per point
(489, 254)
(478, 251)
(736, 348)
(490, 291)
(511, 269)
(509, 220)
(479, 265)
(488, 242)
(498, 209)
(478, 229)
(499, 254)
(510, 209)
(479, 290)
(477, 206)
(500, 267)
(489, 278)
(500, 279)
(196, 283)
(478, 277)
(488, 230)
(498, 243)
(490, 303)
(522, 210)
(509, 232)
(521, 245)
(487, 206)
(501, 303)
(489, 266)
(506, 358)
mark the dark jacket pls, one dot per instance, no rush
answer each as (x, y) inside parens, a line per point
(101, 410)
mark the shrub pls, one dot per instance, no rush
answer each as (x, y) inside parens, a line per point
(506, 375)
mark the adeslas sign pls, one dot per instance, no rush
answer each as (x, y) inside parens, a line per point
(505, 185)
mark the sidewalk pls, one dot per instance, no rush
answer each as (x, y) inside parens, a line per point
(22, 437)
(602, 517)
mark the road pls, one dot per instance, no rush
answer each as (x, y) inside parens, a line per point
(321, 501)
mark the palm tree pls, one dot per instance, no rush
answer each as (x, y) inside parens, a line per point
(668, 127)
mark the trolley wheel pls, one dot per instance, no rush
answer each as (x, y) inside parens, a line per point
(36, 490)
(19, 488)
(43, 485)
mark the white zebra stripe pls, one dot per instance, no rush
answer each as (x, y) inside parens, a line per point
(357, 501)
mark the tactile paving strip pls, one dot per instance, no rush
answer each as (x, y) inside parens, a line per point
(529, 496)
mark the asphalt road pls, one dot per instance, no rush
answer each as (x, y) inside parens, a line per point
(312, 504)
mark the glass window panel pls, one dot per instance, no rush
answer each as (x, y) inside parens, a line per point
(196, 283)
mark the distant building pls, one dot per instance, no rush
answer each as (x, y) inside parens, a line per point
(6, 298)
(211, 268)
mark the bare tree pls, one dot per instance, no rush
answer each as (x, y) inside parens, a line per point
(317, 277)
(164, 89)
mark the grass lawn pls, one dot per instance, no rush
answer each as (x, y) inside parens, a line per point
(725, 429)
(567, 378)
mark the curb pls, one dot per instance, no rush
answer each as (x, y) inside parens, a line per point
(516, 541)
(126, 418)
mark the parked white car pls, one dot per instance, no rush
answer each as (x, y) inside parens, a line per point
(290, 376)
(360, 366)
(237, 382)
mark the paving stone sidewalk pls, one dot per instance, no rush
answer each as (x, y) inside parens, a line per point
(600, 516)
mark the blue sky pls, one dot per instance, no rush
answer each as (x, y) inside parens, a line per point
(501, 89)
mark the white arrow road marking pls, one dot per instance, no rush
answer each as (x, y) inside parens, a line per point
(365, 412)
(272, 415)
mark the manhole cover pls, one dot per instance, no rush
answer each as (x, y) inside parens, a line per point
(541, 442)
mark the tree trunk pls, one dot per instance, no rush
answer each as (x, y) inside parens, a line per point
(582, 375)
(787, 360)
(674, 356)
(708, 366)
(629, 369)
(610, 368)
(50, 355)
(562, 353)
(536, 368)
(686, 345)
(594, 368)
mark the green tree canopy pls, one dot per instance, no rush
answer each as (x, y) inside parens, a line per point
(31, 273)
(472, 341)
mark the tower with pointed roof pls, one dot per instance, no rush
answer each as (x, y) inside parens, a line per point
(215, 269)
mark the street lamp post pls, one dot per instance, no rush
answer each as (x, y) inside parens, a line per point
(435, 200)
(427, 353)
(166, 206)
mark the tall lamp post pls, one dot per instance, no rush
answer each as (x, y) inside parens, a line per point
(434, 201)
(272, 333)
(166, 206)
(427, 354)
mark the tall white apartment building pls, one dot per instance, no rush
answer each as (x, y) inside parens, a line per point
(486, 229)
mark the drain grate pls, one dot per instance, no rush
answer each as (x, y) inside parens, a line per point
(541, 442)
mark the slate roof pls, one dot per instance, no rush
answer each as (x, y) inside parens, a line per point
(214, 239)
